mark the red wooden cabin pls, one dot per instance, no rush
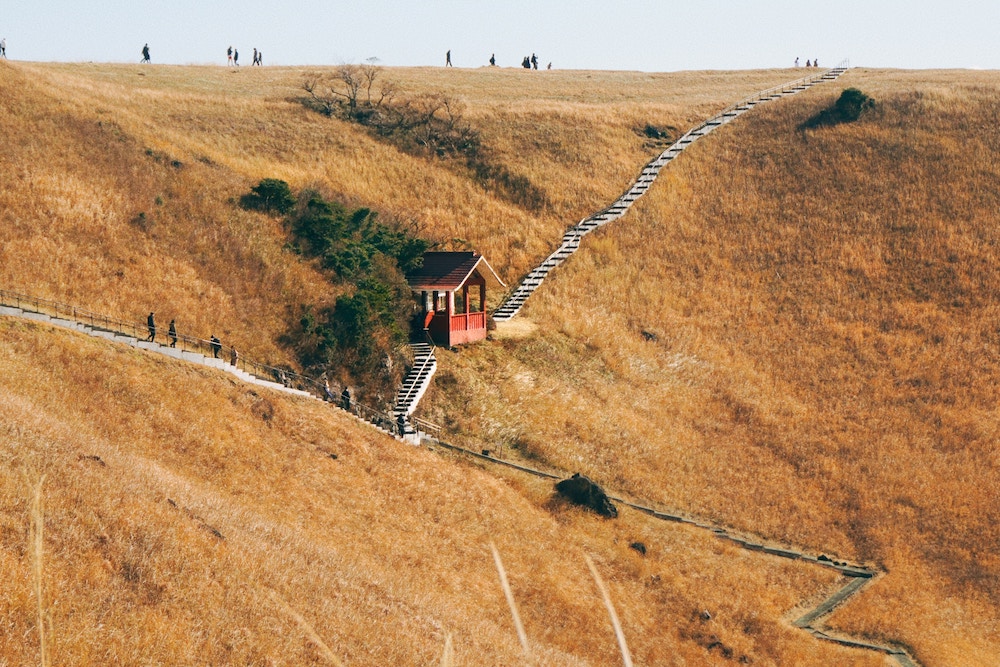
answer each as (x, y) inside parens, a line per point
(452, 290)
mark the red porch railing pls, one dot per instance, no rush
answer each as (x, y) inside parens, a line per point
(467, 321)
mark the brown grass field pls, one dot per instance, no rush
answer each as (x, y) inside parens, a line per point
(824, 376)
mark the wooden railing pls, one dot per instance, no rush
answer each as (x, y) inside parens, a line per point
(467, 321)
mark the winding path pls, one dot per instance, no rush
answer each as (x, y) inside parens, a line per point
(855, 576)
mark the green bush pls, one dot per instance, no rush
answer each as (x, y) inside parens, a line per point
(270, 195)
(851, 104)
(848, 108)
(369, 258)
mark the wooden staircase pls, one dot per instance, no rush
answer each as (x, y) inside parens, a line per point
(412, 390)
(571, 239)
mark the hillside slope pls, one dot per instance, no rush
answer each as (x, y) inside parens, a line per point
(188, 519)
(192, 520)
(793, 334)
(817, 367)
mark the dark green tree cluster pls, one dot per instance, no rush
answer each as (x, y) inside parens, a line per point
(360, 332)
(847, 109)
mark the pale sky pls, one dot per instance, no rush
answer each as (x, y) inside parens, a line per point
(646, 35)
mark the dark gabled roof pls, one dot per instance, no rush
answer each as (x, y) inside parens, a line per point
(448, 271)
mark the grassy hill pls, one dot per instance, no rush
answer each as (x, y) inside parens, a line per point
(822, 374)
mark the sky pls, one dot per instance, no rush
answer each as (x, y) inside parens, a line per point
(644, 35)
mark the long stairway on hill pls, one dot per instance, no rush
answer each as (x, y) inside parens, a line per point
(571, 239)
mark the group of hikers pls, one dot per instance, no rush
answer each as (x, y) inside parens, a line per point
(233, 57)
(214, 343)
(809, 63)
(529, 62)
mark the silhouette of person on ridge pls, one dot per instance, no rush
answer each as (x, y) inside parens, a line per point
(145, 54)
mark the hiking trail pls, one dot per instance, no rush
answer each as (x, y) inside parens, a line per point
(856, 576)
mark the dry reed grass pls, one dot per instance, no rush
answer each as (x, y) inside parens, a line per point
(95, 146)
(176, 498)
(784, 370)
(36, 540)
(825, 363)
(511, 602)
(610, 606)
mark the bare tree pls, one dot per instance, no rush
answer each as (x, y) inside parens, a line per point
(429, 123)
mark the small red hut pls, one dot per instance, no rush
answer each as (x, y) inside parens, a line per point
(452, 290)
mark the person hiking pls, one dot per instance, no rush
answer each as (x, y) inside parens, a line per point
(534, 61)
(236, 57)
(151, 326)
(447, 59)
(345, 399)
(216, 346)
(254, 57)
(3, 47)
(172, 333)
(229, 56)
(234, 356)
(145, 53)
(493, 60)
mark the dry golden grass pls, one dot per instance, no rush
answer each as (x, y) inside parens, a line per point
(93, 146)
(824, 374)
(827, 361)
(192, 520)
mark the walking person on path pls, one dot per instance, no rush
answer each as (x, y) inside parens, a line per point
(216, 346)
(3, 47)
(234, 356)
(229, 56)
(151, 325)
(534, 61)
(145, 54)
(236, 57)
(447, 59)
(254, 57)
(345, 399)
(172, 333)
